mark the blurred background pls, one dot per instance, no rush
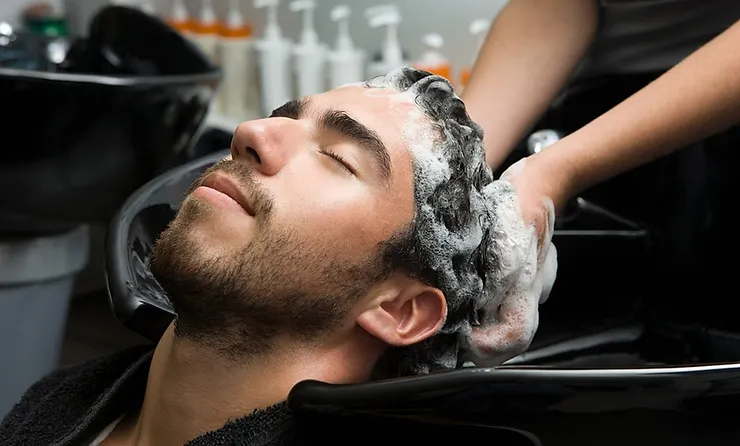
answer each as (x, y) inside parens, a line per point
(450, 20)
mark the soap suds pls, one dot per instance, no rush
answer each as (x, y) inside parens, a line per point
(470, 239)
(522, 283)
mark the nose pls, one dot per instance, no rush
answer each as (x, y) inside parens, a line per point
(268, 144)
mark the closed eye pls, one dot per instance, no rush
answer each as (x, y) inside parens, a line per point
(339, 159)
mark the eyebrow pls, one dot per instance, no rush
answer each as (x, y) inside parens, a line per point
(292, 109)
(340, 122)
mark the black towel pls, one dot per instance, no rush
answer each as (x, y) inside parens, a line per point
(73, 404)
(70, 402)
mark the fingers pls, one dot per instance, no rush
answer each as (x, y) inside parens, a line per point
(548, 273)
(512, 328)
(513, 171)
(512, 333)
(527, 263)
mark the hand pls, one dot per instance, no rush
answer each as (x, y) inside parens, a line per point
(536, 204)
(522, 245)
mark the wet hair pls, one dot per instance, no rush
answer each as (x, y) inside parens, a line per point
(447, 243)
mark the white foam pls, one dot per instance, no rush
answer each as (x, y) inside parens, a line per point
(351, 84)
(522, 283)
(512, 289)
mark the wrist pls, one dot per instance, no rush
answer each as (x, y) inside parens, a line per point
(553, 175)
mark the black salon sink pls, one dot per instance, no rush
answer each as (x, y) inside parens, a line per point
(80, 136)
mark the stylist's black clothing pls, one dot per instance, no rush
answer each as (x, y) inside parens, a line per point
(685, 199)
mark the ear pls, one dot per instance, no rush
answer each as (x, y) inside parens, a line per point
(405, 314)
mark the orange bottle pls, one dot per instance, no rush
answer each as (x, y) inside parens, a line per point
(180, 19)
(205, 30)
(235, 54)
(432, 59)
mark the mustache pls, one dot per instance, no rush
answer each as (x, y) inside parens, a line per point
(244, 175)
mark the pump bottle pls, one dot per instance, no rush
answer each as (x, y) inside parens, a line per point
(309, 54)
(392, 55)
(142, 5)
(346, 62)
(432, 59)
(205, 30)
(148, 7)
(237, 62)
(478, 28)
(179, 18)
(274, 53)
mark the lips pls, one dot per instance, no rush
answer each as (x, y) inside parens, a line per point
(221, 182)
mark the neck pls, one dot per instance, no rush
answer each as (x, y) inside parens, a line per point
(192, 390)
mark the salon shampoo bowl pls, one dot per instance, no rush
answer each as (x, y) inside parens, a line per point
(80, 136)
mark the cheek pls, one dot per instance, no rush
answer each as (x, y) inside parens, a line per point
(341, 212)
(345, 215)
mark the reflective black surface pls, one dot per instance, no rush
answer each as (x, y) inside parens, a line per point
(124, 106)
(558, 403)
(679, 405)
(137, 299)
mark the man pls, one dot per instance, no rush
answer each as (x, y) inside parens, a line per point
(353, 234)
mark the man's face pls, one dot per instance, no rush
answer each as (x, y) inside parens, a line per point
(285, 239)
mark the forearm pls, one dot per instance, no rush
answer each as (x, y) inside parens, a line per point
(695, 99)
(529, 54)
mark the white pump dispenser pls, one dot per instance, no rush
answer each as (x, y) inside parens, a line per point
(205, 30)
(234, 17)
(236, 53)
(432, 59)
(143, 5)
(346, 60)
(179, 18)
(478, 28)
(274, 61)
(392, 58)
(148, 7)
(205, 35)
(309, 53)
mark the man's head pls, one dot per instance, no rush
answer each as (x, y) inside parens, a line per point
(359, 207)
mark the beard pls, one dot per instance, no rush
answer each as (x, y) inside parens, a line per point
(240, 301)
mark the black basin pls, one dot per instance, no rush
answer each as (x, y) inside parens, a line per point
(80, 136)
(548, 406)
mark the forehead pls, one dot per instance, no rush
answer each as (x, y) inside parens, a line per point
(395, 117)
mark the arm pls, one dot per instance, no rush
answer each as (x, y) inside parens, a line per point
(695, 99)
(529, 54)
